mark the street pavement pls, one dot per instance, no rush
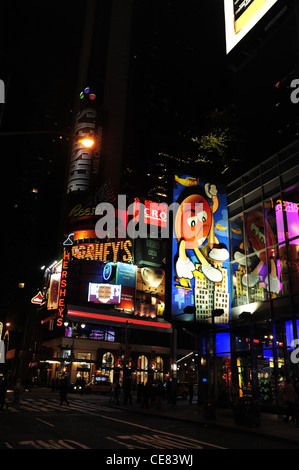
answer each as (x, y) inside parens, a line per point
(270, 424)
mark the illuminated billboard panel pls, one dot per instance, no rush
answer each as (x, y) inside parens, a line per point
(104, 293)
(241, 16)
(200, 257)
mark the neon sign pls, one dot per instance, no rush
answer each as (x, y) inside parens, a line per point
(63, 286)
(108, 251)
(155, 213)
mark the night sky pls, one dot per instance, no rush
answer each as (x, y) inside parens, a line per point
(181, 74)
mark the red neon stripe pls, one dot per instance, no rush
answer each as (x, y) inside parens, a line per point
(119, 319)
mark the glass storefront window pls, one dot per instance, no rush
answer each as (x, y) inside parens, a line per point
(282, 286)
(294, 263)
(257, 277)
(239, 291)
(236, 233)
(142, 369)
(290, 206)
(158, 368)
(255, 238)
(108, 360)
(274, 221)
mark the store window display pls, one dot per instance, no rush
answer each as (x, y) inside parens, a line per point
(265, 250)
(142, 369)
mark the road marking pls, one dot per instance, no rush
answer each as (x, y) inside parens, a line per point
(46, 422)
(163, 432)
(128, 446)
(50, 444)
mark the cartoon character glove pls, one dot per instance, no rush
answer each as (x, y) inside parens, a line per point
(211, 190)
(185, 268)
(274, 284)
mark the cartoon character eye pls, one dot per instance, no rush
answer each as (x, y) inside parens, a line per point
(202, 216)
(192, 221)
(254, 229)
(262, 237)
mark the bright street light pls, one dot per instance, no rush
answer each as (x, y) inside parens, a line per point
(88, 143)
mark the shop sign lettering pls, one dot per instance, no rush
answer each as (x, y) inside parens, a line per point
(108, 251)
(63, 286)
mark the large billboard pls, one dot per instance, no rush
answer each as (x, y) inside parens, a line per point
(200, 256)
(241, 16)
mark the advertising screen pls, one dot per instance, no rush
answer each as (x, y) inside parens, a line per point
(241, 16)
(104, 293)
(200, 257)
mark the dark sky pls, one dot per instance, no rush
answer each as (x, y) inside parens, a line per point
(40, 46)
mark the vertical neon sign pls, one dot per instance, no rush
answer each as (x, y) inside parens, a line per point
(63, 287)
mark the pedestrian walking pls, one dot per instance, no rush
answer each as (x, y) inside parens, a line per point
(140, 387)
(17, 394)
(173, 391)
(159, 393)
(191, 392)
(127, 388)
(146, 395)
(117, 392)
(63, 391)
(113, 393)
(291, 400)
(168, 390)
(2, 392)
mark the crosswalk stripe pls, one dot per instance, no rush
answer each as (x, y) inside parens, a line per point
(44, 405)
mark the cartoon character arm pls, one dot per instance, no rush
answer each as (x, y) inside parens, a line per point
(211, 192)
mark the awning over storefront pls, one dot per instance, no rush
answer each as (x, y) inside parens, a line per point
(97, 316)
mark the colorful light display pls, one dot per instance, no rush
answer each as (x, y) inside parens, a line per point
(63, 287)
(200, 255)
(118, 250)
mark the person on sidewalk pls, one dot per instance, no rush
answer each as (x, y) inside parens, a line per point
(17, 394)
(2, 392)
(115, 390)
(146, 395)
(159, 394)
(191, 392)
(173, 391)
(291, 400)
(63, 391)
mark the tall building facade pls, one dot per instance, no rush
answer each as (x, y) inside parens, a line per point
(264, 227)
(102, 304)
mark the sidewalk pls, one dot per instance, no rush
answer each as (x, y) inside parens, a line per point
(270, 424)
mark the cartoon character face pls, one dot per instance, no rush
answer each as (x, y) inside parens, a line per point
(193, 221)
(256, 233)
(255, 230)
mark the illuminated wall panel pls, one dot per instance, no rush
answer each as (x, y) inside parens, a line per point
(200, 257)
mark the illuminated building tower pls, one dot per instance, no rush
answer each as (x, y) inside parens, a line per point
(203, 298)
(94, 173)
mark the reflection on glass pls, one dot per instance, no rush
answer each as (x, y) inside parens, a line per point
(257, 278)
(239, 291)
(236, 238)
(294, 263)
(290, 207)
(273, 222)
(255, 231)
(282, 271)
